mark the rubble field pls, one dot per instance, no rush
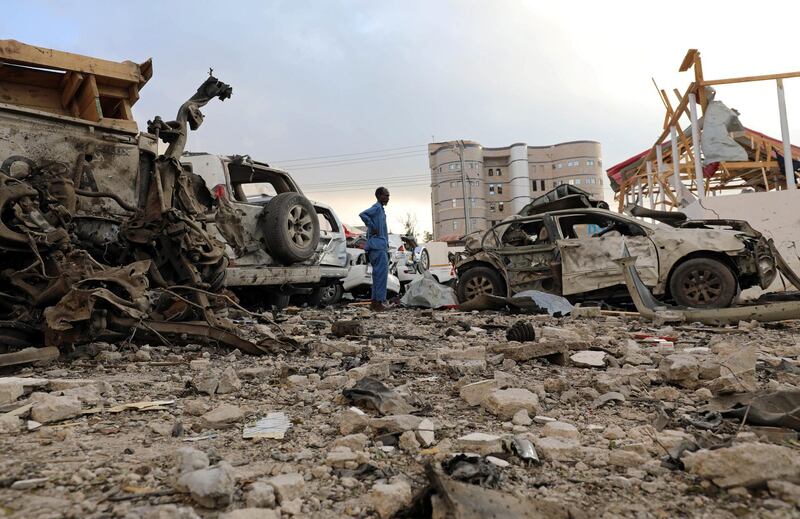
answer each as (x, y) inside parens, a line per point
(367, 422)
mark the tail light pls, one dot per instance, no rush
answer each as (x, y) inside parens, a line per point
(401, 248)
(220, 191)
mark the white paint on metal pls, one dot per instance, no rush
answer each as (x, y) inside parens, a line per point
(698, 166)
(787, 147)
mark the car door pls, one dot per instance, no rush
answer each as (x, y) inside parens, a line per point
(331, 238)
(589, 242)
(529, 256)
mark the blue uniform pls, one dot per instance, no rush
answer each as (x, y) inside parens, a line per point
(377, 249)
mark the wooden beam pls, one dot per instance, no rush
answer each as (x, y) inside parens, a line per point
(89, 100)
(688, 60)
(69, 86)
(113, 92)
(12, 51)
(748, 79)
(30, 76)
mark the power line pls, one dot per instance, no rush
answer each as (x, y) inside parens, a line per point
(345, 162)
(351, 154)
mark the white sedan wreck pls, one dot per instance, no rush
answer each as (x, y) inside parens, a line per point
(571, 252)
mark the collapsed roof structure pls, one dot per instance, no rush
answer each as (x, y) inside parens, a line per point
(731, 155)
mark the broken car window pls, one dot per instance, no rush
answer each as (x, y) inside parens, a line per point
(526, 233)
(590, 225)
(247, 181)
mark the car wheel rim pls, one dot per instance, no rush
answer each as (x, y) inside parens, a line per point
(328, 293)
(702, 287)
(300, 227)
(477, 286)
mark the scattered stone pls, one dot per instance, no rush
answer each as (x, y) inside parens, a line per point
(426, 432)
(388, 499)
(560, 430)
(473, 394)
(785, 491)
(353, 420)
(210, 487)
(589, 359)
(222, 416)
(558, 449)
(287, 486)
(10, 424)
(27, 484)
(744, 465)
(504, 403)
(355, 442)
(260, 495)
(625, 458)
(680, 369)
(408, 442)
(611, 396)
(229, 382)
(206, 382)
(49, 408)
(480, 443)
(554, 352)
(251, 513)
(667, 393)
(521, 418)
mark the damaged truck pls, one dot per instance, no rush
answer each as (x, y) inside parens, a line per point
(101, 236)
(566, 243)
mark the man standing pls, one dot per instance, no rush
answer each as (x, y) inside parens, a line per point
(378, 247)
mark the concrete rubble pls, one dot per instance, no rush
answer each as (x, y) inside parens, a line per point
(145, 438)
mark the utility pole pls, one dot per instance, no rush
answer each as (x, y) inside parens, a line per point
(467, 226)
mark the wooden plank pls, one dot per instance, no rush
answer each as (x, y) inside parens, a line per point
(40, 98)
(125, 110)
(751, 164)
(69, 86)
(89, 100)
(747, 79)
(13, 51)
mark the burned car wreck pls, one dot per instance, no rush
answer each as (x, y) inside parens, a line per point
(102, 238)
(567, 244)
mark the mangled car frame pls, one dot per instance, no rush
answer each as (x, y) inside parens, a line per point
(101, 237)
(566, 244)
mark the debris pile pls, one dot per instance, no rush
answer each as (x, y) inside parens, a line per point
(454, 421)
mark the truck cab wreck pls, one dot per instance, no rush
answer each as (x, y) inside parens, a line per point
(572, 251)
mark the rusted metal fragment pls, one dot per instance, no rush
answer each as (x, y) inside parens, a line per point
(192, 330)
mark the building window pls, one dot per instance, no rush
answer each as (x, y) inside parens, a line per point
(454, 167)
(559, 165)
(533, 185)
(454, 202)
(472, 202)
(491, 172)
(499, 189)
(577, 181)
(455, 225)
(491, 208)
(500, 207)
(499, 172)
(491, 189)
(452, 184)
(590, 163)
(541, 184)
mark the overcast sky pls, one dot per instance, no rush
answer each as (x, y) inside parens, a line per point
(342, 79)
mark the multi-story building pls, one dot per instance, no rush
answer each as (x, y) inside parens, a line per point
(499, 182)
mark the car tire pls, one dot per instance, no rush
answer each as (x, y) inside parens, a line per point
(477, 281)
(330, 294)
(703, 283)
(290, 227)
(277, 300)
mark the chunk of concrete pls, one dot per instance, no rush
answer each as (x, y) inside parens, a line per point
(260, 495)
(504, 403)
(745, 465)
(589, 359)
(251, 513)
(474, 393)
(287, 486)
(211, 487)
(229, 382)
(389, 498)
(680, 369)
(480, 443)
(222, 416)
(49, 408)
(560, 430)
(558, 449)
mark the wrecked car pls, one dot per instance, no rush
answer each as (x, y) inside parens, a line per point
(571, 252)
(280, 243)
